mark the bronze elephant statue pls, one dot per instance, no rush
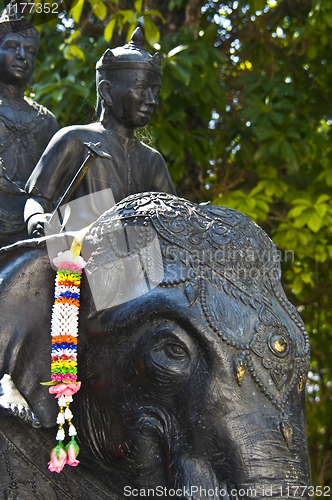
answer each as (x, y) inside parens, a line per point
(192, 361)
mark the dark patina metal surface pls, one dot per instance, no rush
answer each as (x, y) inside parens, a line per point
(128, 83)
(196, 382)
(25, 126)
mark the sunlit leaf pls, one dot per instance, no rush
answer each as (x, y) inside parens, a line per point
(315, 222)
(99, 9)
(151, 31)
(108, 32)
(76, 10)
(138, 5)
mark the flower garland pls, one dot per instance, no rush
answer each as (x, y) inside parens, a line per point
(64, 332)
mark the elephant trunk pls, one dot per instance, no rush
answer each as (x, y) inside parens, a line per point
(247, 458)
(261, 463)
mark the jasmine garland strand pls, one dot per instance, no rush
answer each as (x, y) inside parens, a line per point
(64, 333)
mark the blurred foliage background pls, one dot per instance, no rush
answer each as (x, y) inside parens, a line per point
(244, 120)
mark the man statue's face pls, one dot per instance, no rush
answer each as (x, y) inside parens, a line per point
(17, 59)
(134, 96)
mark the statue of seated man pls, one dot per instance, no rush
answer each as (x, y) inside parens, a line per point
(25, 126)
(128, 81)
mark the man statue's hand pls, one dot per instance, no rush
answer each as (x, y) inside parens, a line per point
(36, 223)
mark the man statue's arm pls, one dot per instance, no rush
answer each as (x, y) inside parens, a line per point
(50, 125)
(162, 181)
(49, 179)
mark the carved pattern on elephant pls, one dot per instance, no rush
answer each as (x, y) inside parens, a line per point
(274, 345)
(233, 246)
(191, 353)
(231, 252)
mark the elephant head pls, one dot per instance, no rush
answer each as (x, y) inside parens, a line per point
(192, 361)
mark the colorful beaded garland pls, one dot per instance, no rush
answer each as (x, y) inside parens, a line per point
(64, 332)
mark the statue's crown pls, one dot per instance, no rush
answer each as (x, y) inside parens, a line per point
(11, 21)
(130, 56)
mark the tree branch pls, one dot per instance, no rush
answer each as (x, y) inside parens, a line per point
(193, 13)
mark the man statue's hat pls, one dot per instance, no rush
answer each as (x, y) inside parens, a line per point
(11, 21)
(130, 56)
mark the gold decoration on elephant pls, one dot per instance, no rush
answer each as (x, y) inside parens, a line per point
(274, 345)
(240, 366)
(286, 429)
(279, 345)
(302, 378)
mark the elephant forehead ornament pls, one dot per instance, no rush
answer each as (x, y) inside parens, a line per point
(211, 251)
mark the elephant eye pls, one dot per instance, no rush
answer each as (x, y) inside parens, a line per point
(172, 350)
(175, 351)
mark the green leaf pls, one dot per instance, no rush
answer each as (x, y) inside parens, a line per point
(176, 50)
(168, 84)
(291, 134)
(67, 52)
(314, 223)
(320, 253)
(328, 18)
(276, 117)
(269, 187)
(322, 199)
(267, 172)
(72, 37)
(166, 143)
(177, 116)
(262, 206)
(329, 178)
(138, 5)
(76, 10)
(128, 15)
(265, 132)
(77, 52)
(307, 278)
(284, 105)
(251, 202)
(154, 12)
(287, 152)
(131, 29)
(174, 4)
(151, 31)
(261, 153)
(303, 238)
(302, 220)
(297, 285)
(206, 95)
(302, 201)
(321, 209)
(180, 72)
(296, 211)
(108, 32)
(275, 148)
(58, 94)
(99, 9)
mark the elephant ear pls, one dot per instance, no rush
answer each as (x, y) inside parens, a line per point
(26, 291)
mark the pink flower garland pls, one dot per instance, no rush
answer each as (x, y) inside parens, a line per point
(64, 332)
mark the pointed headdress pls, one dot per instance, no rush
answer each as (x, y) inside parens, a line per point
(11, 21)
(130, 56)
